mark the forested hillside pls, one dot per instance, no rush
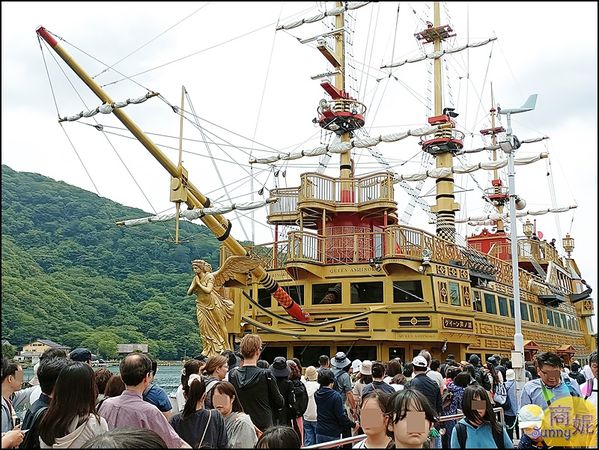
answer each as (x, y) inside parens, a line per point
(71, 275)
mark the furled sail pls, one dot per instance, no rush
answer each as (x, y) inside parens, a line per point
(192, 214)
(331, 12)
(490, 218)
(107, 108)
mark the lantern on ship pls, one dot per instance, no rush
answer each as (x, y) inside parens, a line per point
(528, 228)
(568, 244)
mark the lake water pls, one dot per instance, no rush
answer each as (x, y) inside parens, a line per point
(167, 377)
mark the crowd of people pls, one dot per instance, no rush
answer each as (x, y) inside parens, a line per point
(230, 401)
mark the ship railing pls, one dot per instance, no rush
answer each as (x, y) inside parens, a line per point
(371, 188)
(272, 255)
(361, 437)
(286, 200)
(444, 133)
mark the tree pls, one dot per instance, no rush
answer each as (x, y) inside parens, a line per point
(9, 351)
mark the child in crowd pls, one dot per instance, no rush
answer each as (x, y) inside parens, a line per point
(530, 418)
(410, 419)
(374, 421)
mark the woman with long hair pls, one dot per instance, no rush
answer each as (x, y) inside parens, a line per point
(410, 419)
(479, 428)
(215, 370)
(114, 387)
(71, 418)
(192, 366)
(199, 427)
(239, 426)
(491, 373)
(373, 420)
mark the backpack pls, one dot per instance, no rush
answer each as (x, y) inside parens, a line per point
(336, 386)
(500, 397)
(301, 398)
(32, 437)
(463, 435)
(446, 399)
(482, 379)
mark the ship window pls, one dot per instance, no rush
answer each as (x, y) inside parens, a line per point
(454, 294)
(367, 292)
(512, 308)
(397, 352)
(264, 298)
(309, 354)
(296, 292)
(540, 315)
(490, 306)
(270, 353)
(360, 352)
(567, 323)
(531, 313)
(556, 319)
(407, 291)
(502, 306)
(523, 311)
(477, 304)
(550, 319)
(326, 293)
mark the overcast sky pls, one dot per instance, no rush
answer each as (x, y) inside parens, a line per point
(252, 81)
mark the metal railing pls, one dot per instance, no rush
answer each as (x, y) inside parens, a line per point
(360, 437)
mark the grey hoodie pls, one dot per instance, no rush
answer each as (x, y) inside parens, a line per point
(79, 435)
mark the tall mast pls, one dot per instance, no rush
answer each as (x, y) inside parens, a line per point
(345, 158)
(217, 223)
(445, 142)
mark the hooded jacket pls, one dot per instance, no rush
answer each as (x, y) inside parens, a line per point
(331, 418)
(258, 393)
(79, 435)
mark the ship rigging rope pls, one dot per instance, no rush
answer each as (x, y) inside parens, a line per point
(150, 41)
(537, 212)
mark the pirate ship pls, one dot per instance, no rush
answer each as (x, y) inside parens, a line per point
(349, 271)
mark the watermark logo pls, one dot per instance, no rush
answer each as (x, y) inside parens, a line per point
(568, 422)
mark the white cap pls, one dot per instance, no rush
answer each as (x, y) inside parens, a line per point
(355, 365)
(420, 361)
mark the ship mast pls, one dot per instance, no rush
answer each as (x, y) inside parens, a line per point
(217, 223)
(445, 142)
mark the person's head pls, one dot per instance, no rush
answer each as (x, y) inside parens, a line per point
(435, 363)
(477, 407)
(462, 379)
(262, 363)
(474, 360)
(426, 354)
(326, 377)
(74, 396)
(53, 352)
(154, 367)
(127, 438)
(279, 368)
(12, 375)
(451, 372)
(378, 370)
(470, 369)
(102, 375)
(194, 396)
(225, 399)
(408, 369)
(393, 367)
(48, 372)
(217, 366)
(450, 357)
(136, 370)
(530, 418)
(593, 363)
(250, 346)
(549, 367)
(419, 364)
(373, 418)
(298, 363)
(411, 418)
(115, 386)
(323, 361)
(190, 367)
(341, 361)
(295, 371)
(510, 375)
(81, 354)
(503, 361)
(279, 436)
(311, 373)
(530, 366)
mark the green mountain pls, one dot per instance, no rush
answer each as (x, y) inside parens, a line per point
(71, 275)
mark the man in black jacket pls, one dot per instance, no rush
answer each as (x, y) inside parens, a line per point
(257, 388)
(425, 385)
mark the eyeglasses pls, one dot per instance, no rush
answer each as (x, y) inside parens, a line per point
(551, 373)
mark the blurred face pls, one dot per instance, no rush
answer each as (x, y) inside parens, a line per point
(222, 402)
(412, 431)
(16, 381)
(480, 406)
(550, 375)
(594, 368)
(372, 419)
(532, 432)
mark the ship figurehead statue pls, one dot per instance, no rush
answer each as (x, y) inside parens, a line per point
(213, 309)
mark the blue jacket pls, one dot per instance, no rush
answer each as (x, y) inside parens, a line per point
(330, 412)
(510, 387)
(481, 437)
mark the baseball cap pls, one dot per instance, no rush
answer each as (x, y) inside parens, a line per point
(81, 354)
(420, 361)
(355, 365)
(530, 416)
